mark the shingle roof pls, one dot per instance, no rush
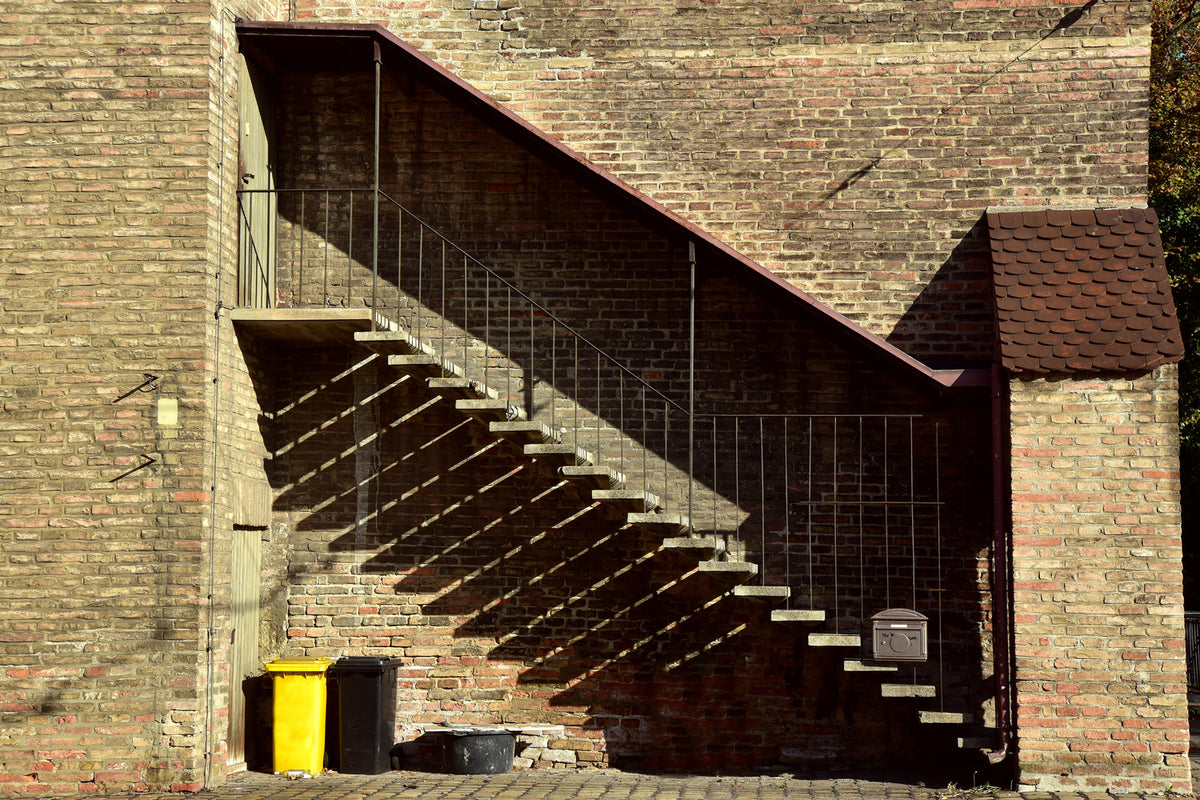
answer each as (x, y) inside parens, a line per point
(1082, 291)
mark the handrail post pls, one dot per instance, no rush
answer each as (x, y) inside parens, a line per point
(375, 192)
(691, 381)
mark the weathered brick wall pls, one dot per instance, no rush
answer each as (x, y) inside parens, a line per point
(849, 147)
(1100, 669)
(104, 157)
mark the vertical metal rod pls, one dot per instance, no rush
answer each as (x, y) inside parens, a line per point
(808, 535)
(645, 447)
(400, 259)
(762, 498)
(487, 326)
(937, 496)
(300, 271)
(420, 275)
(787, 520)
(508, 347)
(575, 424)
(598, 448)
(553, 374)
(714, 466)
(691, 382)
(737, 481)
(836, 512)
(325, 266)
(466, 345)
(887, 521)
(530, 377)
(912, 509)
(445, 315)
(666, 456)
(375, 213)
(350, 255)
(621, 416)
(862, 565)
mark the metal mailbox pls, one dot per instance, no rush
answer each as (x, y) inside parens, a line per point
(900, 634)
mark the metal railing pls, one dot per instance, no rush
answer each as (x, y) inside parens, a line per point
(843, 508)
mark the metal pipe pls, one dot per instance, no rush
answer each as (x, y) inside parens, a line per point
(1001, 553)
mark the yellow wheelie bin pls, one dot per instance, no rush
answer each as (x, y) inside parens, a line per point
(299, 713)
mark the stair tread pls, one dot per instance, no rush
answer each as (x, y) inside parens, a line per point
(862, 665)
(567, 452)
(395, 342)
(633, 499)
(462, 386)
(657, 521)
(522, 430)
(762, 592)
(944, 717)
(797, 615)
(835, 640)
(907, 690)
(730, 567)
(692, 543)
(596, 475)
(486, 409)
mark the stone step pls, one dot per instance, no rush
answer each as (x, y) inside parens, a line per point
(416, 363)
(563, 454)
(702, 546)
(628, 499)
(944, 717)
(457, 386)
(488, 410)
(397, 342)
(907, 690)
(863, 665)
(522, 431)
(740, 569)
(657, 523)
(593, 476)
(834, 640)
(797, 615)
(775, 593)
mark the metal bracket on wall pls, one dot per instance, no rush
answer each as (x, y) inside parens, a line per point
(147, 461)
(148, 385)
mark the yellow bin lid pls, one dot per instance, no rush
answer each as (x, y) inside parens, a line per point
(317, 664)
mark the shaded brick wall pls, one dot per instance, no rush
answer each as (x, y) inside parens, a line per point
(1101, 700)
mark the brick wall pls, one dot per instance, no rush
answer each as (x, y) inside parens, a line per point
(850, 148)
(103, 149)
(1098, 594)
(512, 598)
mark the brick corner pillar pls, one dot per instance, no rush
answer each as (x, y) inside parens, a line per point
(1099, 657)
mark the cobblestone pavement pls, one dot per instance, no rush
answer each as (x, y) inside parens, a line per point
(584, 785)
(551, 785)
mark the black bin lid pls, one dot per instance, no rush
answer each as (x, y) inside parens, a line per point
(370, 665)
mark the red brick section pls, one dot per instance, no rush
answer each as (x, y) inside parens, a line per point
(1082, 291)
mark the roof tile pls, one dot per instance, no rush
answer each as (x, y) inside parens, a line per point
(1082, 291)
